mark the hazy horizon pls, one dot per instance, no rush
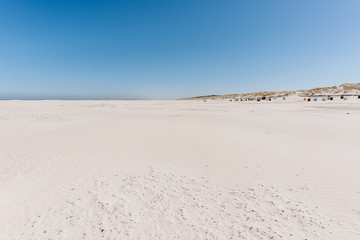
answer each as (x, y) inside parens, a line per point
(174, 49)
(29, 97)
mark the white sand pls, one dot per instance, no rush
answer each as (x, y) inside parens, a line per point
(180, 170)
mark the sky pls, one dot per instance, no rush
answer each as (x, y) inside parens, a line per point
(175, 48)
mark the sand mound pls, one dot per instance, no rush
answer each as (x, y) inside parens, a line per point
(346, 88)
(157, 205)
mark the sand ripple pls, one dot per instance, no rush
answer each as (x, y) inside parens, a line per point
(157, 205)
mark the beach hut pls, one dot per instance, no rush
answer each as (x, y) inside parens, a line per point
(263, 98)
(328, 97)
(345, 98)
(342, 97)
(315, 99)
(331, 98)
(304, 99)
(309, 99)
(324, 99)
(284, 98)
(270, 99)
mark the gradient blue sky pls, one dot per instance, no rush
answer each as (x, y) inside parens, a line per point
(175, 48)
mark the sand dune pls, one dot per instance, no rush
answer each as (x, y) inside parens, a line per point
(179, 170)
(346, 88)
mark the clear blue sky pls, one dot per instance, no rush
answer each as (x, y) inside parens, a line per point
(175, 48)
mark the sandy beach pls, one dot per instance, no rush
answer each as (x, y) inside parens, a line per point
(180, 170)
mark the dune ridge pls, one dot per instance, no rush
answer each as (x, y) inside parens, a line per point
(346, 88)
